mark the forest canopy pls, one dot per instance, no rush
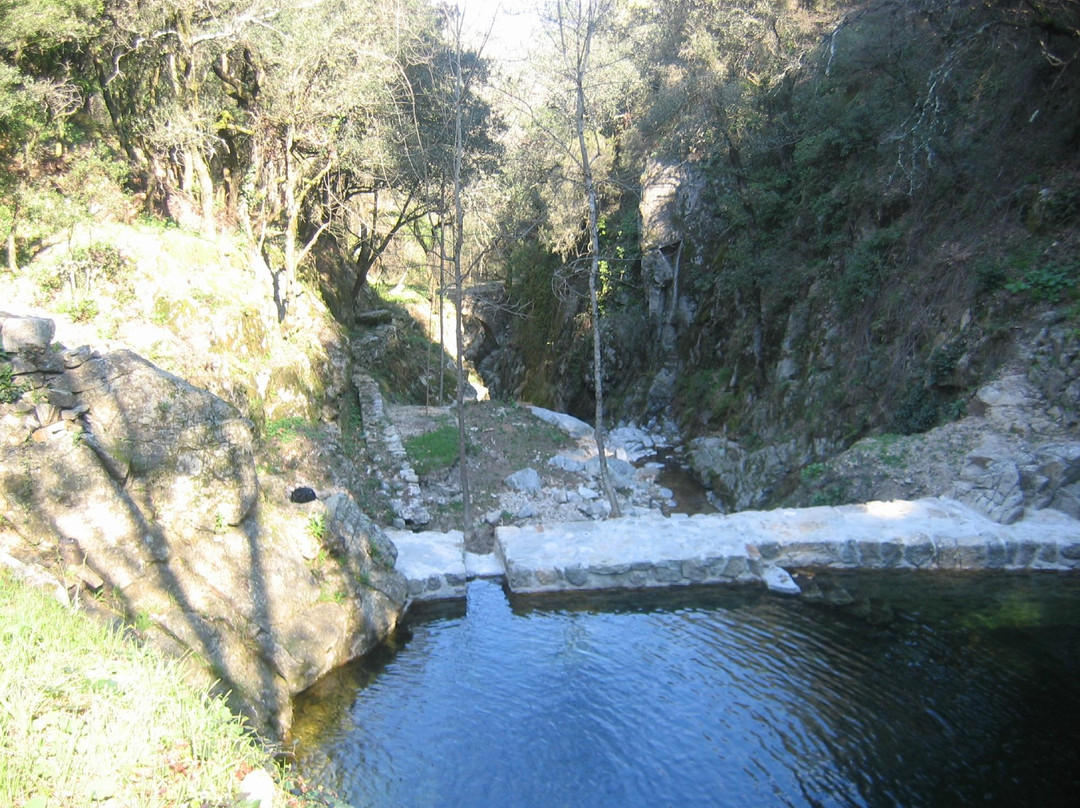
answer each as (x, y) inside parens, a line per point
(324, 128)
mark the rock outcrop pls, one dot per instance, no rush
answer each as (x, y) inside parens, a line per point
(1015, 452)
(118, 477)
(487, 325)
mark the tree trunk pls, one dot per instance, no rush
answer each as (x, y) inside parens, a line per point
(594, 263)
(459, 238)
(12, 262)
(205, 184)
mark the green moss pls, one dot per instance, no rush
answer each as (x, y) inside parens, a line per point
(285, 429)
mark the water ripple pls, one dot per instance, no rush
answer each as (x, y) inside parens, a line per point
(743, 702)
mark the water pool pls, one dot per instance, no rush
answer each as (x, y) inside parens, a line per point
(887, 690)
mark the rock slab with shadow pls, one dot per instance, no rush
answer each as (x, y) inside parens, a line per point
(142, 487)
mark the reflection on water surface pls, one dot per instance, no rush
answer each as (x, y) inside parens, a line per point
(922, 690)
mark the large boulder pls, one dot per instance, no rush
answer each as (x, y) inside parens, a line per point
(1004, 477)
(192, 452)
(143, 487)
(19, 333)
(742, 479)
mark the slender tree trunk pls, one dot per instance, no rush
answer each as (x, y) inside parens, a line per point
(594, 264)
(459, 238)
(12, 263)
(205, 185)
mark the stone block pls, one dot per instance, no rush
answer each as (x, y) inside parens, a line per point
(694, 571)
(870, 554)
(995, 553)
(668, 571)
(892, 554)
(576, 576)
(547, 578)
(519, 578)
(735, 567)
(610, 569)
(1026, 553)
(1048, 554)
(770, 550)
(22, 333)
(971, 555)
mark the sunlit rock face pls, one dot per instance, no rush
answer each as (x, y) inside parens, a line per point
(122, 478)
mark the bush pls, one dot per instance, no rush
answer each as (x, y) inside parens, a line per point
(82, 310)
(919, 410)
(1049, 282)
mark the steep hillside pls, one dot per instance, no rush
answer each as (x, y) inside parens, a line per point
(850, 240)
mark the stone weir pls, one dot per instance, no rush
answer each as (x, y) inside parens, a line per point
(740, 548)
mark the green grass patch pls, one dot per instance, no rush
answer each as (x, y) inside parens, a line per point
(433, 450)
(316, 526)
(285, 429)
(89, 717)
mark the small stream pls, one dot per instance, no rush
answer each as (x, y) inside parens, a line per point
(687, 491)
(920, 690)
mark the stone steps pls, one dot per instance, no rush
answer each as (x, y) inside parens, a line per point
(740, 548)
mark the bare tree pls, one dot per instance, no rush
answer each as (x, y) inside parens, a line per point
(577, 23)
(459, 240)
(462, 76)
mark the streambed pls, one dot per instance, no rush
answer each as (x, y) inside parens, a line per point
(884, 689)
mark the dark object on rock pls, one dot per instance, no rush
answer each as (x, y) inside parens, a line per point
(302, 494)
(374, 317)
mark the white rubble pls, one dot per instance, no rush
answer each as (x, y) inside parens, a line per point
(574, 427)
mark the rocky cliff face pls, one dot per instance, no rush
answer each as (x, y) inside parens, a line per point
(804, 276)
(778, 400)
(138, 492)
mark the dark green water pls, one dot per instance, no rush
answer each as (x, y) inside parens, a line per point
(922, 690)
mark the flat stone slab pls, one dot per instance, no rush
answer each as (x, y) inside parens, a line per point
(436, 565)
(433, 563)
(652, 550)
(574, 427)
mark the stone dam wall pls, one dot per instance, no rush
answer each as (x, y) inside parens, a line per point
(742, 548)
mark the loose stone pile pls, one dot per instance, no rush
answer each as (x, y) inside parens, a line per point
(384, 443)
(528, 500)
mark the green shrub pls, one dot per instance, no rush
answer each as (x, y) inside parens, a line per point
(316, 526)
(82, 310)
(919, 410)
(10, 390)
(285, 429)
(1048, 282)
(866, 268)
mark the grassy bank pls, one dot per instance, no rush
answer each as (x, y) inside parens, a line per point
(89, 718)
